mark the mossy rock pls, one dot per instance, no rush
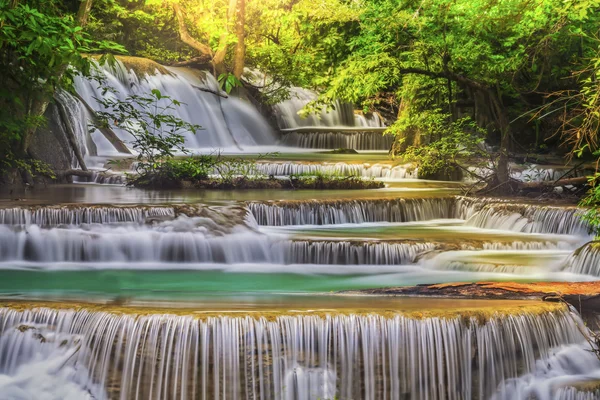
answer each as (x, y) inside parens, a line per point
(143, 66)
(342, 151)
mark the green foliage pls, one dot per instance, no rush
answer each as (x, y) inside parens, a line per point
(446, 144)
(228, 82)
(146, 29)
(42, 49)
(592, 201)
(157, 134)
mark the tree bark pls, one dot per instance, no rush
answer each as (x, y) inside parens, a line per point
(84, 12)
(502, 170)
(240, 47)
(219, 58)
(38, 106)
(185, 35)
(108, 133)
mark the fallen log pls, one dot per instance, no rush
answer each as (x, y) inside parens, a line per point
(105, 130)
(74, 172)
(211, 91)
(579, 181)
(199, 62)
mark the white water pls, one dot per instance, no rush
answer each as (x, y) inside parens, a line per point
(286, 168)
(368, 357)
(358, 140)
(228, 123)
(585, 260)
(264, 247)
(38, 362)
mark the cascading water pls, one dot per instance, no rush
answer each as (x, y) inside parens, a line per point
(77, 215)
(37, 361)
(351, 211)
(299, 357)
(227, 122)
(349, 253)
(364, 170)
(531, 219)
(192, 236)
(585, 260)
(357, 140)
(258, 249)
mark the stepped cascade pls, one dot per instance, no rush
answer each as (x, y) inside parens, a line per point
(359, 140)
(346, 169)
(264, 250)
(299, 200)
(300, 357)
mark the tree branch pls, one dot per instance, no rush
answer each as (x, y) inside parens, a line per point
(185, 35)
(106, 131)
(447, 75)
(211, 91)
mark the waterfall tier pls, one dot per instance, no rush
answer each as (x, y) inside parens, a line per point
(339, 140)
(530, 219)
(77, 215)
(385, 171)
(586, 260)
(348, 253)
(351, 211)
(290, 357)
(480, 213)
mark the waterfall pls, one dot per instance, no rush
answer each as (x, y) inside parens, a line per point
(39, 362)
(364, 170)
(350, 211)
(133, 244)
(228, 123)
(530, 219)
(299, 357)
(586, 260)
(571, 393)
(348, 253)
(480, 213)
(78, 118)
(507, 261)
(77, 215)
(550, 379)
(358, 140)
(339, 115)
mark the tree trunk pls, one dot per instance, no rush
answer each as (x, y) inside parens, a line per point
(503, 124)
(240, 47)
(84, 12)
(219, 58)
(38, 106)
(185, 35)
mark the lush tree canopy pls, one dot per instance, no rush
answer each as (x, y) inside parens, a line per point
(432, 68)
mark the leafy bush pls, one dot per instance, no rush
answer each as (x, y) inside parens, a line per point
(444, 144)
(592, 200)
(43, 48)
(157, 134)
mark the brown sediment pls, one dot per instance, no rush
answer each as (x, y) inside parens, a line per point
(585, 296)
(481, 311)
